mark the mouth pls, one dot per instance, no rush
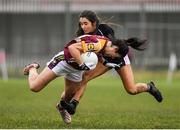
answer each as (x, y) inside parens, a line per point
(86, 31)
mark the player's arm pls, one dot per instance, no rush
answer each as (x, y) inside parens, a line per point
(75, 50)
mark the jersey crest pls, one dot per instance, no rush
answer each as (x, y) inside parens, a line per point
(93, 43)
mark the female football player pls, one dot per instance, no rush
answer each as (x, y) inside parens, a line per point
(69, 63)
(90, 24)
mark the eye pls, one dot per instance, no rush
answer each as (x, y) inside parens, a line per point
(85, 23)
(80, 23)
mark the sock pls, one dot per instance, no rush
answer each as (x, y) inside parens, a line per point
(74, 103)
(148, 87)
(70, 106)
(62, 102)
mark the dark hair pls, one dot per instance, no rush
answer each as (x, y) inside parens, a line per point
(123, 45)
(91, 16)
(137, 43)
(102, 29)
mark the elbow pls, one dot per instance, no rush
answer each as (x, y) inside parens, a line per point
(71, 47)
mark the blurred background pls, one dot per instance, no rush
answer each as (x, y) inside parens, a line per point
(35, 30)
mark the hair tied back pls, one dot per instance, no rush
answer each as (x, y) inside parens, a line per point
(136, 43)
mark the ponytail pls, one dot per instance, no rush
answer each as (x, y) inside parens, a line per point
(123, 45)
(136, 43)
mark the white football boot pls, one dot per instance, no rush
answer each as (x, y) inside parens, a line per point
(64, 114)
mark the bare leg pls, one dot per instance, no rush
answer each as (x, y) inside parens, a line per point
(133, 88)
(127, 78)
(67, 101)
(74, 91)
(87, 76)
(38, 81)
(80, 87)
(71, 88)
(65, 97)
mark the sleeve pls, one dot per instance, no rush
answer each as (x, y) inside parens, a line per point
(89, 38)
(115, 60)
(107, 31)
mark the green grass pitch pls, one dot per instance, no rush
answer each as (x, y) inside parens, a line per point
(105, 104)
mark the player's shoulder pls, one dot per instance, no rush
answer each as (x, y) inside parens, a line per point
(101, 37)
(85, 35)
(81, 38)
(106, 29)
(91, 37)
(104, 26)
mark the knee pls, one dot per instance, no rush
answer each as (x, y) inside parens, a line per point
(34, 88)
(132, 91)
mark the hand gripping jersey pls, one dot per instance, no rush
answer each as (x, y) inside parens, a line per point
(93, 43)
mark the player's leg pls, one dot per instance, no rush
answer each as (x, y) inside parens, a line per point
(67, 105)
(87, 76)
(66, 117)
(38, 81)
(127, 78)
(70, 88)
(55, 67)
(78, 88)
(133, 88)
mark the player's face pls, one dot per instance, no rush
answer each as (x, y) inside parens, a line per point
(111, 51)
(86, 25)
